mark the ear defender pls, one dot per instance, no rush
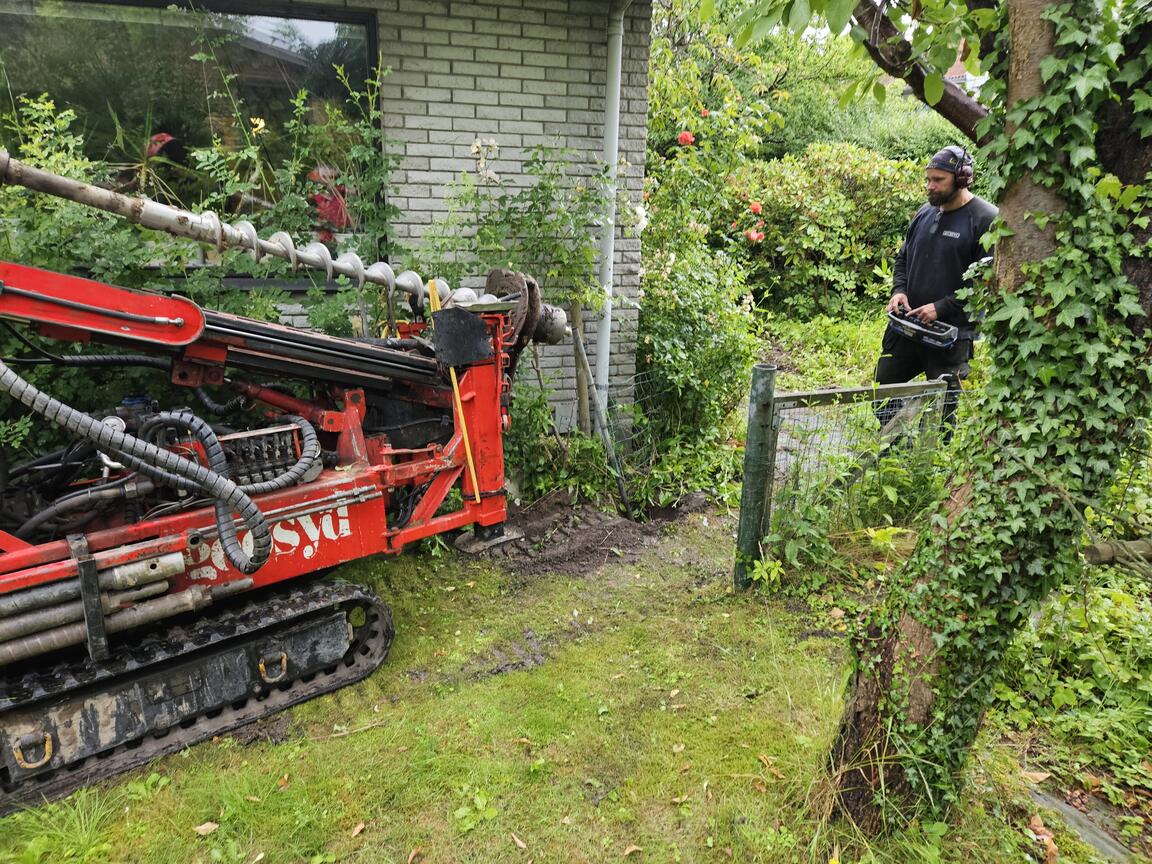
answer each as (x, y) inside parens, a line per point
(963, 173)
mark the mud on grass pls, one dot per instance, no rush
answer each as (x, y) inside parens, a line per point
(553, 715)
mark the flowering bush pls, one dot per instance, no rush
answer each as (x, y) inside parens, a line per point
(702, 127)
(819, 230)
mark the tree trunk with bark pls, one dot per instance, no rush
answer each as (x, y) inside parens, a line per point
(1004, 538)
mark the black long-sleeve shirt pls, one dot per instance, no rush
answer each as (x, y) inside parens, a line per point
(938, 248)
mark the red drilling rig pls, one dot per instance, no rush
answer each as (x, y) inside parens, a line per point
(152, 569)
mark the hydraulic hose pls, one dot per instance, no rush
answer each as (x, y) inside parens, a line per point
(95, 360)
(217, 407)
(217, 459)
(160, 465)
(114, 491)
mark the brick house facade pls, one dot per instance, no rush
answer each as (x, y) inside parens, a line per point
(522, 72)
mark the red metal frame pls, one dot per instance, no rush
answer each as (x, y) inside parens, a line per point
(340, 516)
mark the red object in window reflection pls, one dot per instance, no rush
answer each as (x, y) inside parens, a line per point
(156, 143)
(331, 205)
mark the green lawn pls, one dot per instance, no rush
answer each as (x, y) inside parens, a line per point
(549, 718)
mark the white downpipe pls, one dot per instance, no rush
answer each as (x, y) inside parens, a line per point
(611, 155)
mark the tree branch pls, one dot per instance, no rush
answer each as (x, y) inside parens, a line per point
(892, 53)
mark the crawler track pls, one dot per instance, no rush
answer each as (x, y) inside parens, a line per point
(164, 692)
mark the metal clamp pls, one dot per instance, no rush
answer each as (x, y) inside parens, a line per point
(27, 741)
(90, 595)
(268, 679)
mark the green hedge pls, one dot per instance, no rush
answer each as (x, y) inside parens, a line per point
(831, 221)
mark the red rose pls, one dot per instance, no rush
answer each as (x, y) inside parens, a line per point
(755, 207)
(753, 235)
(704, 112)
(686, 138)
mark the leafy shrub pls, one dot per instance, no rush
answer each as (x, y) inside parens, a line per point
(547, 228)
(831, 221)
(811, 80)
(541, 461)
(709, 112)
(900, 128)
(1083, 669)
(664, 471)
(696, 343)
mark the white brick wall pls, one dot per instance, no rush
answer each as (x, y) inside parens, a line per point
(522, 72)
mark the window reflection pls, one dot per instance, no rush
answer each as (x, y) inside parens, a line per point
(152, 86)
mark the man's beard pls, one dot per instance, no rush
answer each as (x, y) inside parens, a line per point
(939, 199)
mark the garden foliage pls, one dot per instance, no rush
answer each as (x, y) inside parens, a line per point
(1082, 670)
(548, 227)
(43, 231)
(819, 91)
(819, 229)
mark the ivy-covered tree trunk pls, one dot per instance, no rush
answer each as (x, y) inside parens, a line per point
(1068, 338)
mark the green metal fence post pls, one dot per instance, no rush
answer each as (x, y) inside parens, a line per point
(759, 467)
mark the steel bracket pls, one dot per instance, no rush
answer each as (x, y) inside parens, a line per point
(90, 595)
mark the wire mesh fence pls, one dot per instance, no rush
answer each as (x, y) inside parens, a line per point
(823, 463)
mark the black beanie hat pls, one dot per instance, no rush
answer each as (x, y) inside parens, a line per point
(950, 159)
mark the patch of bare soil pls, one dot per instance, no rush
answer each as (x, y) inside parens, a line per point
(274, 730)
(527, 652)
(569, 540)
(779, 358)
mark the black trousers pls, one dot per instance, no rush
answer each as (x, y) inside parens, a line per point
(902, 359)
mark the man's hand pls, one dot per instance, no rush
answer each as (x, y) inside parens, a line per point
(926, 314)
(898, 302)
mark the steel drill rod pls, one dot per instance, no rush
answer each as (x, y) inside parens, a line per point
(148, 612)
(39, 620)
(207, 228)
(114, 578)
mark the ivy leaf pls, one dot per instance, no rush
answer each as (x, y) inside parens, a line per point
(933, 88)
(1108, 186)
(1129, 195)
(1080, 154)
(1093, 78)
(1092, 352)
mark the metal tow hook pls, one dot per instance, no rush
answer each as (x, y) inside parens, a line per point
(32, 740)
(272, 679)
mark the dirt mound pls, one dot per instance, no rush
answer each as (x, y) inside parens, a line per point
(570, 540)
